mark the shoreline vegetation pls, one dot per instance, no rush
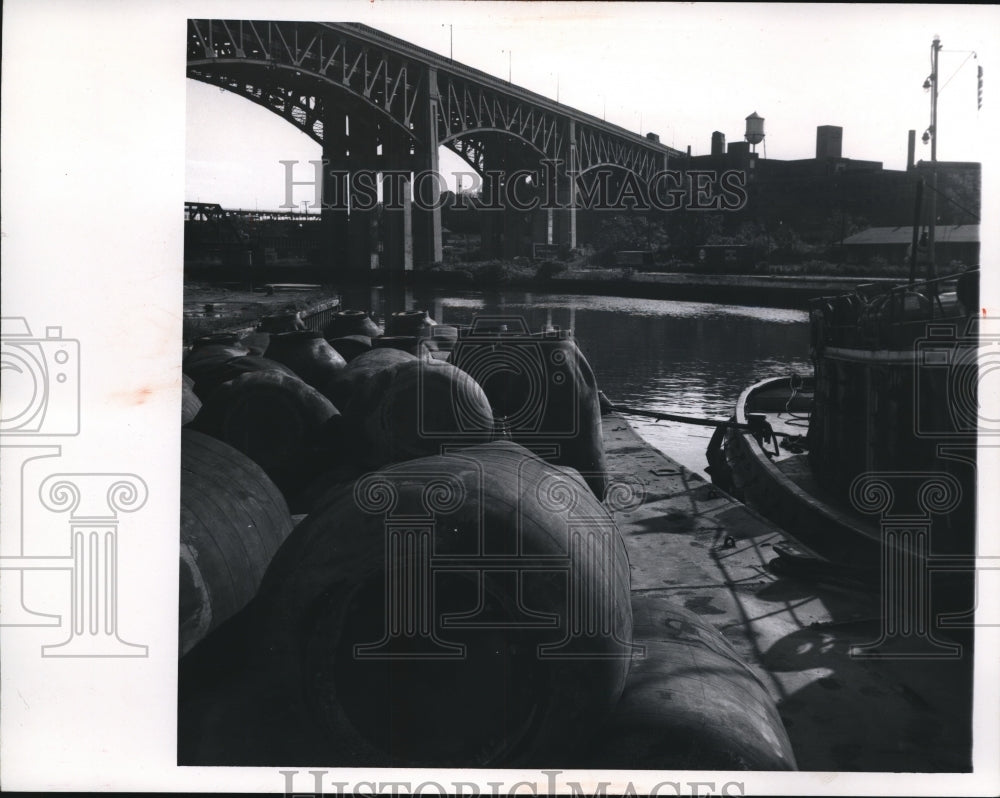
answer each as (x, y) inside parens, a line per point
(218, 298)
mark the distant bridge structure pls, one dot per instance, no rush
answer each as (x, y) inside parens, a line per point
(375, 102)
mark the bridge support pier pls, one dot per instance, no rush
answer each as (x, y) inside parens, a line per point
(396, 224)
(349, 145)
(427, 243)
(504, 227)
(357, 235)
(574, 170)
(563, 219)
(334, 217)
(362, 241)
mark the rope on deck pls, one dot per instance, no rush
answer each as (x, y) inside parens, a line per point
(754, 427)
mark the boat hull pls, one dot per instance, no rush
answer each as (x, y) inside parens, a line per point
(745, 467)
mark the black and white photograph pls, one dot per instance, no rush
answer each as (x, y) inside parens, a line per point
(500, 398)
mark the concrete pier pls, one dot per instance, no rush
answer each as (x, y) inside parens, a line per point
(694, 545)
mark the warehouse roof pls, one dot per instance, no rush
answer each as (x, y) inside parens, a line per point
(947, 234)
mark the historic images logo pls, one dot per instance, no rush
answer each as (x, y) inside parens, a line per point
(41, 400)
(600, 189)
(324, 783)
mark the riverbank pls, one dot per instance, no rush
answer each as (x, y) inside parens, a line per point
(783, 291)
(788, 291)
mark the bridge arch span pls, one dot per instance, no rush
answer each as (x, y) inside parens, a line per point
(304, 105)
(400, 103)
(614, 168)
(481, 148)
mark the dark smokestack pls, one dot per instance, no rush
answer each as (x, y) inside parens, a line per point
(718, 143)
(911, 149)
(829, 140)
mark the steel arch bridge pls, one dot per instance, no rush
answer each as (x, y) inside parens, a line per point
(375, 101)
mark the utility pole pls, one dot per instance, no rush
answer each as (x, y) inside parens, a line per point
(932, 204)
(451, 41)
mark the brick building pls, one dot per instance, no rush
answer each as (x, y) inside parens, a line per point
(827, 198)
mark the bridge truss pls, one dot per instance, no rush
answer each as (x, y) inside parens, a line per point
(412, 100)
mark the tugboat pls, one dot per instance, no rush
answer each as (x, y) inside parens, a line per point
(892, 433)
(883, 432)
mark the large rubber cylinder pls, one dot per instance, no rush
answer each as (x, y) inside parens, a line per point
(210, 375)
(360, 380)
(350, 322)
(282, 322)
(257, 342)
(444, 335)
(544, 396)
(350, 346)
(422, 405)
(378, 643)
(691, 703)
(216, 339)
(211, 351)
(273, 418)
(307, 354)
(233, 519)
(404, 343)
(417, 323)
(190, 403)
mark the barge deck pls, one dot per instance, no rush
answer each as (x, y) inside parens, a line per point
(694, 545)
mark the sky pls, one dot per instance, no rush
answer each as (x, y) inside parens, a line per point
(680, 70)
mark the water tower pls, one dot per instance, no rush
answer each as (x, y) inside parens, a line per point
(755, 130)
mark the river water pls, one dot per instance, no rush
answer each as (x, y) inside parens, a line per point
(690, 358)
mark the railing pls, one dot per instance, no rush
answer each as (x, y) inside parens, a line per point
(318, 316)
(458, 69)
(871, 317)
(315, 318)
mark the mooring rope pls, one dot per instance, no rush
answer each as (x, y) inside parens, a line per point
(704, 422)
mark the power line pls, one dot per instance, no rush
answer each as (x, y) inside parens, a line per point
(956, 204)
(972, 54)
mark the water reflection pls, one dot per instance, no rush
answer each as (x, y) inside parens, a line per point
(692, 358)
